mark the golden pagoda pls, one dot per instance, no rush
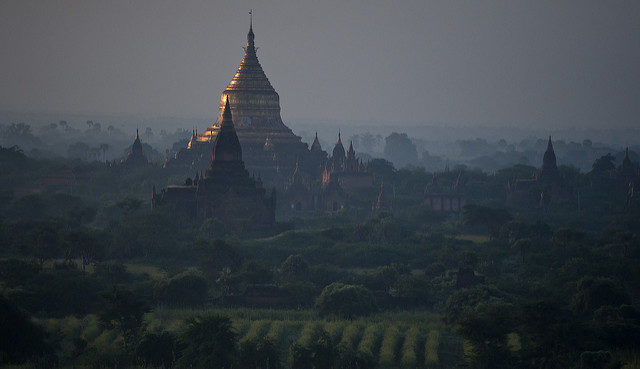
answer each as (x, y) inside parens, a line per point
(254, 103)
(255, 106)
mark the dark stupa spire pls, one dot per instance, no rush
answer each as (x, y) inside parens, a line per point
(549, 158)
(549, 167)
(338, 150)
(351, 153)
(315, 146)
(136, 148)
(226, 146)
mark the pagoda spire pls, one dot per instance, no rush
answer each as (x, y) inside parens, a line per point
(251, 48)
(226, 146)
(226, 115)
(549, 145)
(315, 146)
(549, 166)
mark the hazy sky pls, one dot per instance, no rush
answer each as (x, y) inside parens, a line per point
(549, 63)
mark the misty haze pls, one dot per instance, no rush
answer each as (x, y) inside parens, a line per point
(316, 185)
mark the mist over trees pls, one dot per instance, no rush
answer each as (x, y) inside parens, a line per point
(91, 140)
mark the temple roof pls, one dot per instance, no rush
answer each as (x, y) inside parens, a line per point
(315, 146)
(549, 158)
(351, 153)
(338, 149)
(250, 75)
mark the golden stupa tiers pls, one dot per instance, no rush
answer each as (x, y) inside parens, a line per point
(255, 104)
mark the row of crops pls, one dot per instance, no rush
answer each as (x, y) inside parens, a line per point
(393, 345)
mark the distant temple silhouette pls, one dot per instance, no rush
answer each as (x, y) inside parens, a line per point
(136, 157)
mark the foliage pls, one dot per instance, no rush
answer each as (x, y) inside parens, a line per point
(157, 350)
(188, 288)
(123, 311)
(258, 353)
(209, 342)
(346, 301)
(20, 339)
(295, 267)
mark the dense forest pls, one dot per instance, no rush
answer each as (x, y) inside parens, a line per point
(91, 278)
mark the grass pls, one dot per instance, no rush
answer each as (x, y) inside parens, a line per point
(256, 330)
(152, 271)
(351, 335)
(513, 342)
(388, 347)
(409, 357)
(370, 339)
(395, 339)
(334, 329)
(475, 238)
(629, 359)
(431, 348)
(309, 332)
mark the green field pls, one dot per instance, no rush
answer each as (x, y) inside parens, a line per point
(406, 339)
(397, 340)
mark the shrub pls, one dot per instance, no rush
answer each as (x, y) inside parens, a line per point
(188, 288)
(157, 350)
(20, 339)
(122, 310)
(301, 293)
(295, 267)
(217, 256)
(349, 358)
(594, 293)
(318, 353)
(112, 272)
(344, 300)
(413, 290)
(14, 272)
(209, 342)
(258, 353)
(59, 293)
(435, 269)
(594, 359)
(465, 300)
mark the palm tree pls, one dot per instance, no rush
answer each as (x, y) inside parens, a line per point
(104, 147)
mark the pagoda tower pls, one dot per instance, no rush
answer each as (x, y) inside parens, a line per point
(255, 106)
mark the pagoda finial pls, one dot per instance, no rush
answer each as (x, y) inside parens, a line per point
(226, 114)
(137, 134)
(549, 144)
(250, 35)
